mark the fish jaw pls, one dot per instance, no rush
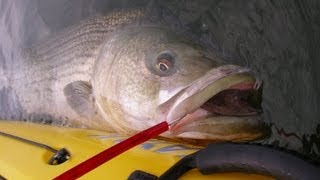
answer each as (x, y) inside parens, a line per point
(219, 128)
(190, 120)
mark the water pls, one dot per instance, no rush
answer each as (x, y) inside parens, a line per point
(279, 40)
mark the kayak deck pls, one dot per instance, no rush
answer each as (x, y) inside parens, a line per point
(19, 160)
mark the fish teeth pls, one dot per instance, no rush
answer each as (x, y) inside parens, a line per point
(257, 84)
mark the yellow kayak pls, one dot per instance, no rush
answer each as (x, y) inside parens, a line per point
(21, 160)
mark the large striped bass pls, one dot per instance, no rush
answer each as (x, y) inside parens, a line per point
(112, 73)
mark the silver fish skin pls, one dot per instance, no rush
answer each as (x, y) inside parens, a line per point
(113, 73)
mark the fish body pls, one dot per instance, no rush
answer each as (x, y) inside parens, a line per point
(112, 73)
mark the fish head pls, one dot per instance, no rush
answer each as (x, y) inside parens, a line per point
(147, 75)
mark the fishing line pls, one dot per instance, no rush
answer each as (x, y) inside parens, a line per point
(59, 156)
(44, 146)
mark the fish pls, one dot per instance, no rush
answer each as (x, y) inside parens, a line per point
(118, 74)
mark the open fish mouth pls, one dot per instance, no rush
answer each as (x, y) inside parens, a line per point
(224, 104)
(238, 100)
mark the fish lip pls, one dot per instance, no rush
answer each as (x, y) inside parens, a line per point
(212, 76)
(252, 128)
(177, 121)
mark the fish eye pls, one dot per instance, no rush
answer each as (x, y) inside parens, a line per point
(163, 64)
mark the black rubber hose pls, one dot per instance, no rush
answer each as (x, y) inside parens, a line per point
(229, 157)
(185, 164)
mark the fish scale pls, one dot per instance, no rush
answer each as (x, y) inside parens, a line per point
(104, 73)
(64, 52)
(98, 23)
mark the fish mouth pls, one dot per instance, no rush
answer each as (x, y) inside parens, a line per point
(223, 105)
